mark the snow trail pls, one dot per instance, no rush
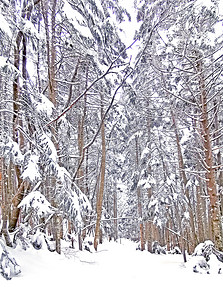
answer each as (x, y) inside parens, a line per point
(116, 271)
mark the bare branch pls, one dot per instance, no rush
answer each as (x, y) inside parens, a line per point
(178, 97)
(91, 85)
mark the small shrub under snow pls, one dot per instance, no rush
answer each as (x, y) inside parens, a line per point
(8, 264)
(206, 259)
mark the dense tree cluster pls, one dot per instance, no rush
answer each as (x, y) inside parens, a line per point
(178, 92)
(94, 142)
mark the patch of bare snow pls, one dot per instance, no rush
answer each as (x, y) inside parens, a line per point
(116, 271)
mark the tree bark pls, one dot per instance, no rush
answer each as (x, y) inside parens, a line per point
(208, 161)
(184, 183)
(141, 225)
(5, 205)
(81, 123)
(115, 208)
(18, 138)
(49, 15)
(102, 182)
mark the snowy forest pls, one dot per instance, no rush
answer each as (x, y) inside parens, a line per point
(111, 124)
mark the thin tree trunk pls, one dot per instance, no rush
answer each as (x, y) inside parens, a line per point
(49, 9)
(81, 122)
(200, 215)
(149, 236)
(81, 137)
(141, 225)
(101, 186)
(184, 182)
(115, 214)
(5, 205)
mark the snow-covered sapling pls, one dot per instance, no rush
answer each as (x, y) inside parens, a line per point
(8, 264)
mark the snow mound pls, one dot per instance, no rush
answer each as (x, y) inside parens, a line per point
(206, 259)
(37, 202)
(8, 264)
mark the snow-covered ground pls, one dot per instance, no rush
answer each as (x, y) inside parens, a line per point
(116, 271)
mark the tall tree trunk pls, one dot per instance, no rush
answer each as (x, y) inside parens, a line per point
(115, 209)
(219, 156)
(148, 225)
(18, 138)
(49, 13)
(200, 215)
(20, 61)
(82, 171)
(5, 204)
(208, 160)
(140, 214)
(81, 123)
(149, 235)
(184, 181)
(101, 185)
